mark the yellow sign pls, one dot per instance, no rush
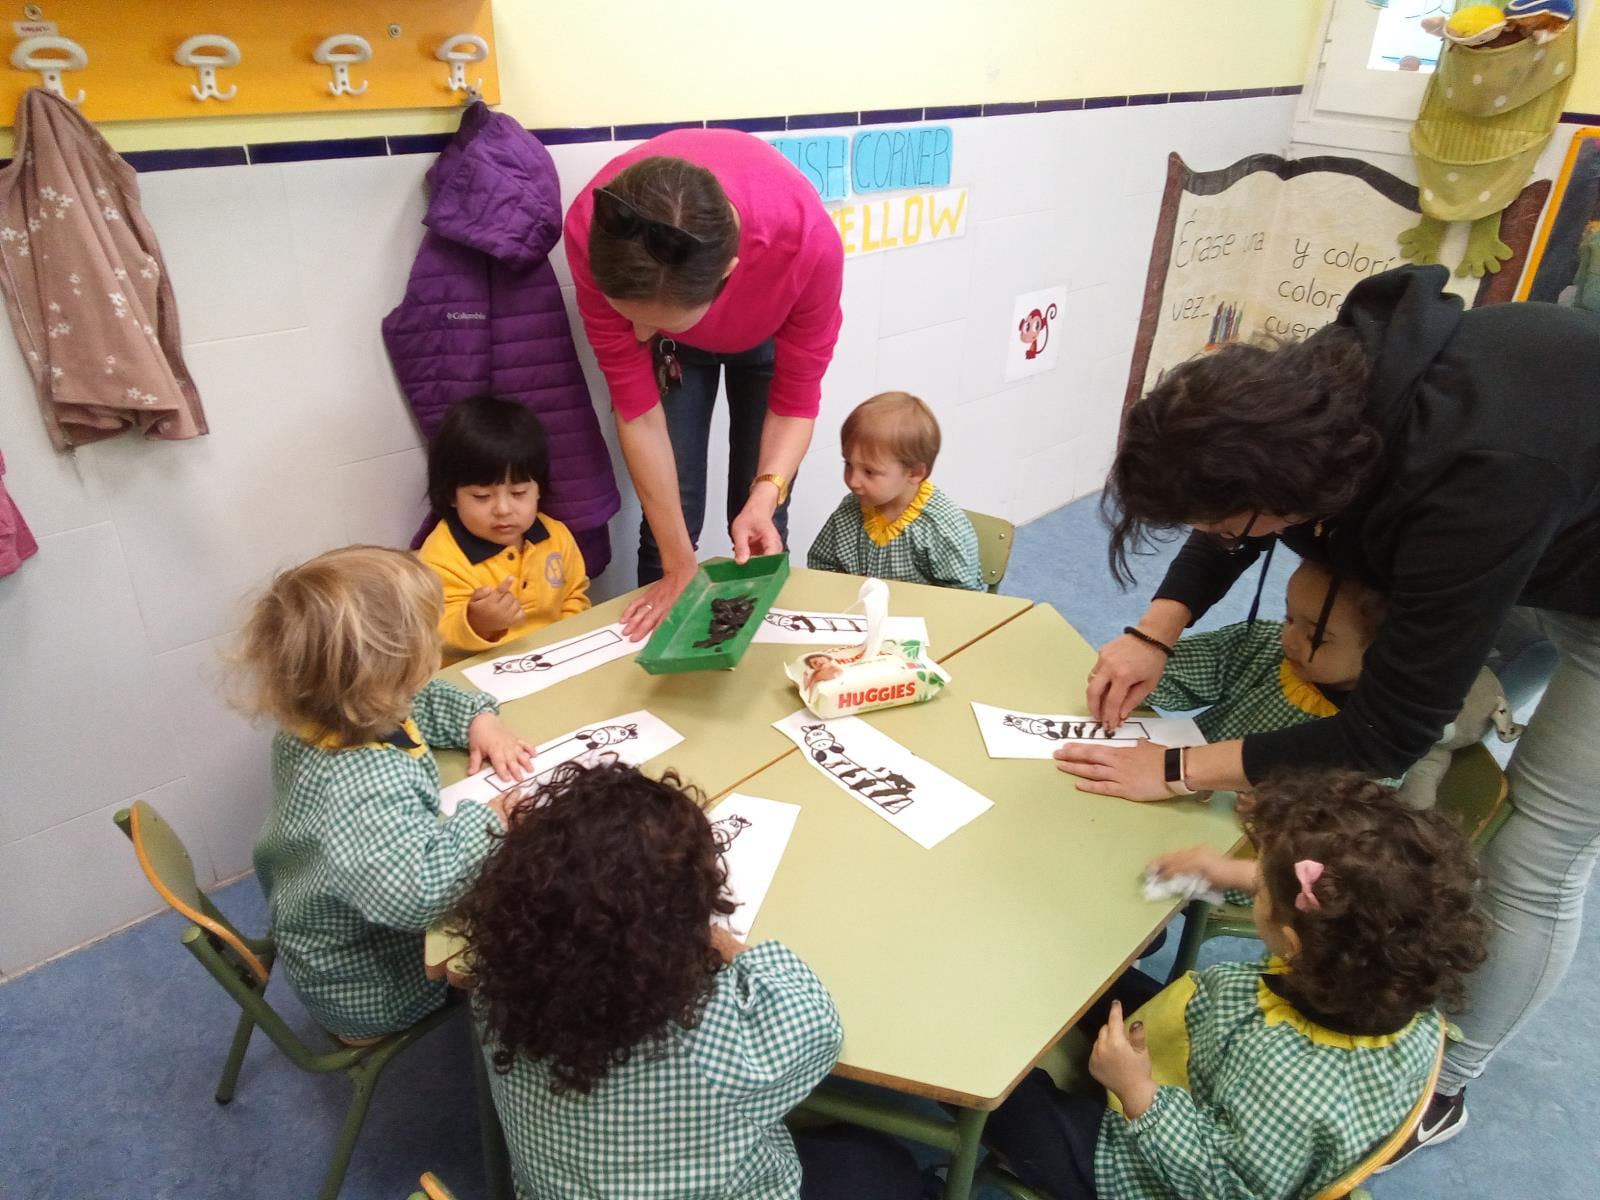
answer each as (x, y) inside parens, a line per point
(895, 222)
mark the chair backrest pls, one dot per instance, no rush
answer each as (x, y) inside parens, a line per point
(1474, 791)
(995, 539)
(167, 865)
(1352, 1180)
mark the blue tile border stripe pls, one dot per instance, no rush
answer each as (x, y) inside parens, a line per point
(432, 143)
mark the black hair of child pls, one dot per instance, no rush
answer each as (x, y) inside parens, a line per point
(482, 441)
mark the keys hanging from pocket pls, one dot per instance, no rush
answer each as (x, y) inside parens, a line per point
(669, 371)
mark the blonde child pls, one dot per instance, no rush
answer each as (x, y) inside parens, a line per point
(895, 524)
(1273, 1079)
(353, 857)
(506, 569)
(638, 1049)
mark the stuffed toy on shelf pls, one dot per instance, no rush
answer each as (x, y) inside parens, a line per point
(1490, 107)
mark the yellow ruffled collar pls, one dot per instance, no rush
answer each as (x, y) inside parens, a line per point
(883, 532)
(1276, 1010)
(314, 735)
(1304, 696)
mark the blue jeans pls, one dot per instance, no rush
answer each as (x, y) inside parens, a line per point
(688, 405)
(1538, 865)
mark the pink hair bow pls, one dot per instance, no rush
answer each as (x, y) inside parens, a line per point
(1307, 871)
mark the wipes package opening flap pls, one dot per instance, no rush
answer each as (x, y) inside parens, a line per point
(879, 673)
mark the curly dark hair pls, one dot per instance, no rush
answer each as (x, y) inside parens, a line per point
(1396, 929)
(591, 922)
(1281, 430)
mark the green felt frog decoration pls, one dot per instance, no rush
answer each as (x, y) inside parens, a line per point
(1489, 110)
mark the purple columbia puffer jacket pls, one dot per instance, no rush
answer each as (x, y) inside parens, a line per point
(483, 314)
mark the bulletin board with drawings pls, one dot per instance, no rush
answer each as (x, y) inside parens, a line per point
(1271, 247)
(263, 56)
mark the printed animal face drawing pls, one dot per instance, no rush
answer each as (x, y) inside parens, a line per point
(728, 829)
(1073, 731)
(801, 623)
(887, 789)
(543, 660)
(606, 735)
(1034, 330)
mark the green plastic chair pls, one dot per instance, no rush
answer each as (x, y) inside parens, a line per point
(996, 536)
(241, 965)
(1473, 790)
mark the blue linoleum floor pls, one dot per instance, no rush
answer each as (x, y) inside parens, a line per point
(108, 1057)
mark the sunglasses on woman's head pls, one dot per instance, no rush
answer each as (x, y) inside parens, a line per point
(667, 244)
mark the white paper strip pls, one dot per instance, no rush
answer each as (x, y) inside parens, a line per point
(634, 738)
(519, 675)
(912, 794)
(756, 832)
(1012, 734)
(794, 628)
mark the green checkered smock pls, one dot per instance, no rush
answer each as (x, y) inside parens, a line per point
(931, 542)
(701, 1120)
(1239, 675)
(356, 864)
(1257, 1100)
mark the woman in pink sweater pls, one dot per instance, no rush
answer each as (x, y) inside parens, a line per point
(697, 251)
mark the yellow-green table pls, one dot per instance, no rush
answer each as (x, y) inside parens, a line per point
(725, 717)
(956, 968)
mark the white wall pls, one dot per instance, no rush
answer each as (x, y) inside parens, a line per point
(112, 633)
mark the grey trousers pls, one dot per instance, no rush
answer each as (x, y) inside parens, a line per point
(1539, 865)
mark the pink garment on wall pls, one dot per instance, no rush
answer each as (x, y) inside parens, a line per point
(85, 286)
(16, 540)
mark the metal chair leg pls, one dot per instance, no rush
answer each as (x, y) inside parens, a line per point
(365, 1079)
(1195, 917)
(230, 1069)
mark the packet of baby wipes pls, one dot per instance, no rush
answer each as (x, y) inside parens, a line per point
(878, 673)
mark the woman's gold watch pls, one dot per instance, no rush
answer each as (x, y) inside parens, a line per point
(777, 481)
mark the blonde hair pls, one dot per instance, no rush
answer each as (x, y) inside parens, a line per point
(896, 424)
(342, 643)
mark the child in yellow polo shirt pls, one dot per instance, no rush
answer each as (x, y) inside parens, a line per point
(506, 570)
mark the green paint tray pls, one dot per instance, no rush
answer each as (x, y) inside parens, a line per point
(671, 649)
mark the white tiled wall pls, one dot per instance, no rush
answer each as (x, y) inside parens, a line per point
(110, 682)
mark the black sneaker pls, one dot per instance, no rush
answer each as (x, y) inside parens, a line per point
(1445, 1117)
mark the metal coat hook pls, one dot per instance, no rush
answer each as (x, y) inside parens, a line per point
(458, 50)
(206, 52)
(26, 57)
(357, 50)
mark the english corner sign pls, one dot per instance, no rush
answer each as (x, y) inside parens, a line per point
(911, 165)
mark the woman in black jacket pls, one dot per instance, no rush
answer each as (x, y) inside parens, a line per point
(1451, 460)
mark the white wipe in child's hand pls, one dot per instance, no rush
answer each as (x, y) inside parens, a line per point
(1184, 887)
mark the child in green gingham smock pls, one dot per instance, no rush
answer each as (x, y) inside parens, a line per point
(637, 1050)
(703, 1118)
(1240, 676)
(931, 542)
(895, 524)
(1225, 1085)
(356, 864)
(1255, 677)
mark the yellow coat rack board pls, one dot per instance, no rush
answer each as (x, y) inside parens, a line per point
(132, 73)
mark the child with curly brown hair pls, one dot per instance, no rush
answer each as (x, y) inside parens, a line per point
(1270, 1080)
(353, 857)
(638, 1049)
